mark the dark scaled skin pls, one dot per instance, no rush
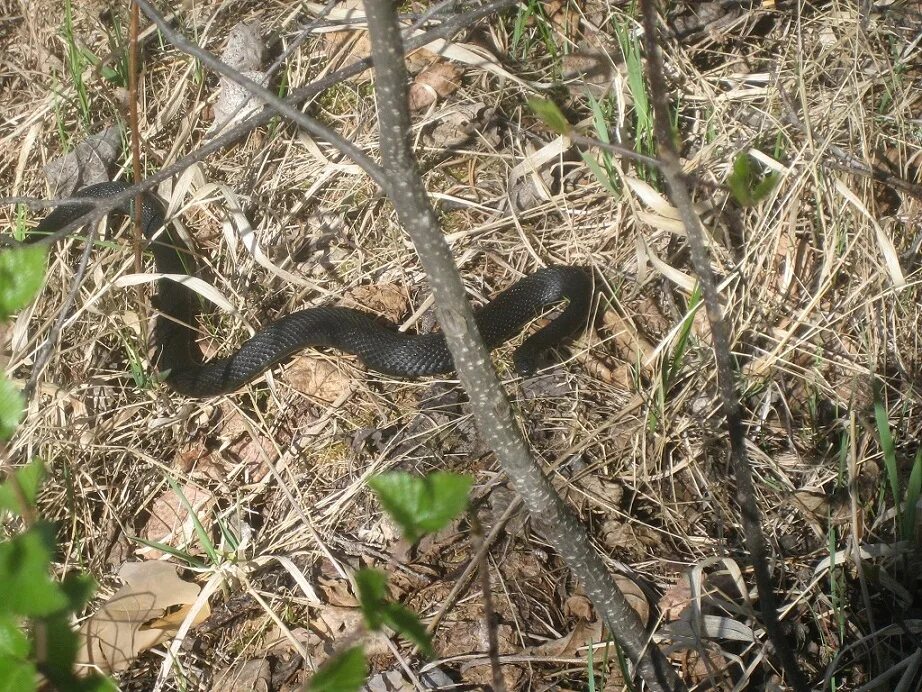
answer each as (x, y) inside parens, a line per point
(377, 342)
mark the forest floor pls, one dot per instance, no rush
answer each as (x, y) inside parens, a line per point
(261, 496)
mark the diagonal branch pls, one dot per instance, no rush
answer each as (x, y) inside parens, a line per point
(488, 401)
(279, 105)
(729, 399)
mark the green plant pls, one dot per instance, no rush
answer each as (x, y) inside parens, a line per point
(747, 185)
(77, 60)
(673, 366)
(36, 639)
(531, 27)
(604, 169)
(904, 499)
(419, 505)
(631, 51)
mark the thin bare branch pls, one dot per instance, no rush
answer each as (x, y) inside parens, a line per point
(280, 105)
(489, 403)
(729, 399)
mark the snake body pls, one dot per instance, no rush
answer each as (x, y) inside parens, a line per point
(376, 342)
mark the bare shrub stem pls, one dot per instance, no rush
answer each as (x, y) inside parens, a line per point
(729, 399)
(489, 404)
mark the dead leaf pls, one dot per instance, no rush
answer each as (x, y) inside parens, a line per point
(578, 606)
(337, 592)
(631, 346)
(636, 539)
(470, 636)
(87, 164)
(344, 48)
(820, 507)
(436, 82)
(317, 378)
(706, 663)
(676, 599)
(582, 634)
(191, 454)
(342, 623)
(600, 491)
(388, 300)
(589, 71)
(635, 597)
(137, 617)
(563, 16)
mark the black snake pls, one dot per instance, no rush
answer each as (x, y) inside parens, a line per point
(379, 345)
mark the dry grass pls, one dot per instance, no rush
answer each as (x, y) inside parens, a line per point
(821, 328)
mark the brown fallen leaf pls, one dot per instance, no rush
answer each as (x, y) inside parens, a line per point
(317, 378)
(821, 507)
(346, 47)
(335, 624)
(388, 300)
(146, 611)
(635, 597)
(582, 634)
(436, 82)
(578, 606)
(88, 163)
(675, 599)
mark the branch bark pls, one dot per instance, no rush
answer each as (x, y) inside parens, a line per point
(489, 404)
(729, 399)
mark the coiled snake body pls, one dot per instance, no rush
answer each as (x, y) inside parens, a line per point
(380, 346)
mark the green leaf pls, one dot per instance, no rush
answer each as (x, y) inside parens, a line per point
(13, 641)
(887, 447)
(740, 180)
(422, 504)
(25, 583)
(22, 271)
(110, 75)
(747, 187)
(17, 676)
(379, 611)
(79, 589)
(29, 478)
(61, 644)
(604, 179)
(404, 621)
(599, 121)
(764, 188)
(11, 408)
(372, 586)
(913, 490)
(200, 531)
(552, 116)
(345, 672)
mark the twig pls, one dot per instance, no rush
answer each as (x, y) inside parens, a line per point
(279, 105)
(488, 401)
(47, 348)
(745, 494)
(483, 569)
(138, 238)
